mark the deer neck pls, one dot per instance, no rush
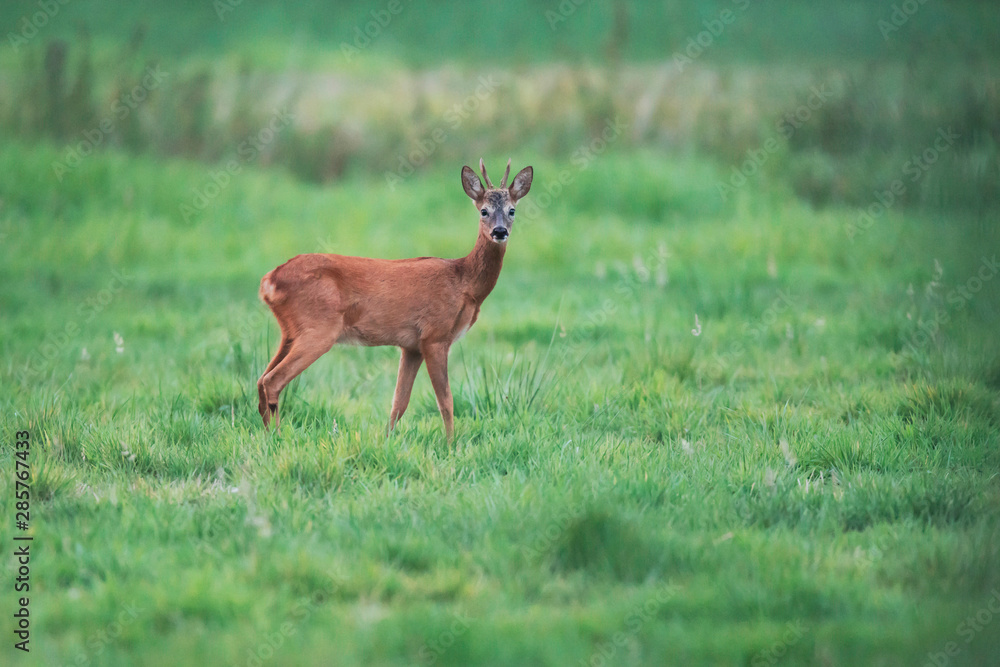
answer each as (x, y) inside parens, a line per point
(482, 267)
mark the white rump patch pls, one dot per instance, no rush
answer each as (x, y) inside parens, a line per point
(267, 291)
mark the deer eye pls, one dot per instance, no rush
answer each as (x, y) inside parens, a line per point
(511, 213)
(485, 212)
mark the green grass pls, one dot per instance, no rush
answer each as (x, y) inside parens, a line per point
(796, 481)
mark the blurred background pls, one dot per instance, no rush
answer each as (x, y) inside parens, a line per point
(392, 88)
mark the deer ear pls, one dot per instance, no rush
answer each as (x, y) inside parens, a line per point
(521, 184)
(472, 185)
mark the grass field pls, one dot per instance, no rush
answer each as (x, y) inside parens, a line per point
(804, 466)
(752, 429)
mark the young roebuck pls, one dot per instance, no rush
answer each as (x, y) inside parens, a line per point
(421, 305)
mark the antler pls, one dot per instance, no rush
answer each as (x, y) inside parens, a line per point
(503, 183)
(482, 168)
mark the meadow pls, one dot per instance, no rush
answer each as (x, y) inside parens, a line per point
(694, 425)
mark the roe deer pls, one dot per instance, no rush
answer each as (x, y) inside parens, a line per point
(421, 305)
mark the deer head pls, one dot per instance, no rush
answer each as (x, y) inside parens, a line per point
(496, 205)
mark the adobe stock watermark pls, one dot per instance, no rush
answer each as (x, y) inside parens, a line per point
(900, 16)
(223, 7)
(651, 269)
(250, 326)
(30, 24)
(755, 330)
(913, 170)
(121, 108)
(785, 127)
(794, 632)
(581, 159)
(556, 525)
(246, 151)
(366, 34)
(98, 643)
(562, 13)
(958, 297)
(432, 651)
(458, 113)
(56, 342)
(635, 619)
(967, 630)
(698, 44)
(270, 645)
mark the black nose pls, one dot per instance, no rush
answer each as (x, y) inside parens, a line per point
(499, 233)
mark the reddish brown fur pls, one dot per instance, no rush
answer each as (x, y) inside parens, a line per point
(421, 305)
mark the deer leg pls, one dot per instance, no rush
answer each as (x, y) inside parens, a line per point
(305, 349)
(283, 348)
(436, 356)
(409, 364)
